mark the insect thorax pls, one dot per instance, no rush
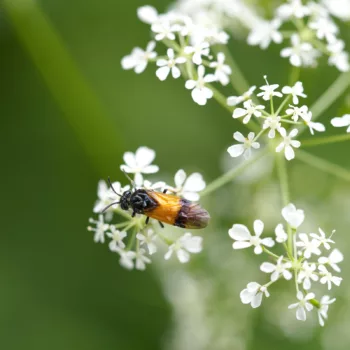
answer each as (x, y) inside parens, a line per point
(141, 201)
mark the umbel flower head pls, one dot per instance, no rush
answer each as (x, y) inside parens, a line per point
(133, 238)
(302, 258)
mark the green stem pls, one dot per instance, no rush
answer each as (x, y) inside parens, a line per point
(230, 175)
(329, 96)
(325, 140)
(324, 165)
(294, 75)
(270, 253)
(81, 106)
(282, 105)
(132, 239)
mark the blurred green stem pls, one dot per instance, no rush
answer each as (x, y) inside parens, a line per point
(294, 75)
(79, 103)
(325, 140)
(329, 96)
(324, 165)
(230, 175)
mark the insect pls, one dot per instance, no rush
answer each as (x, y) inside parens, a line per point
(166, 208)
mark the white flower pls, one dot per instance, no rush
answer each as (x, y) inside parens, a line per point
(253, 294)
(295, 91)
(277, 270)
(246, 146)
(139, 163)
(340, 122)
(163, 30)
(308, 246)
(328, 278)
(201, 93)
(287, 144)
(301, 53)
(312, 125)
(197, 51)
(117, 239)
(169, 65)
(156, 186)
(148, 240)
(139, 58)
(222, 70)
(188, 187)
(294, 8)
(335, 257)
(281, 234)
(184, 246)
(244, 239)
(126, 258)
(293, 216)
(141, 260)
(268, 91)
(99, 230)
(306, 274)
(322, 238)
(273, 123)
(248, 111)
(302, 305)
(264, 32)
(325, 28)
(235, 100)
(296, 112)
(338, 8)
(107, 196)
(338, 57)
(147, 14)
(322, 312)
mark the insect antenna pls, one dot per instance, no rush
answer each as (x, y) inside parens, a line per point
(108, 206)
(129, 178)
(111, 186)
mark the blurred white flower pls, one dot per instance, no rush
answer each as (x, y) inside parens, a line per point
(244, 148)
(244, 239)
(235, 100)
(293, 216)
(300, 53)
(268, 91)
(253, 294)
(141, 259)
(264, 32)
(117, 238)
(138, 59)
(281, 268)
(309, 247)
(288, 143)
(312, 125)
(302, 305)
(188, 187)
(338, 56)
(201, 93)
(148, 240)
(126, 258)
(197, 51)
(343, 121)
(281, 234)
(147, 14)
(296, 91)
(328, 278)
(338, 8)
(297, 112)
(167, 66)
(322, 238)
(294, 8)
(184, 246)
(273, 123)
(306, 274)
(322, 312)
(100, 228)
(139, 163)
(222, 70)
(163, 30)
(325, 28)
(248, 111)
(334, 258)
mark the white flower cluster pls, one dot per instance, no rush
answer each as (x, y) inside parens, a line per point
(133, 239)
(189, 51)
(273, 120)
(314, 33)
(343, 121)
(299, 248)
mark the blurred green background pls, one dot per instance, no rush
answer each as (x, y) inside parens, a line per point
(58, 289)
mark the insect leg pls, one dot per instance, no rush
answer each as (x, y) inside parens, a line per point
(165, 191)
(147, 220)
(161, 224)
(133, 214)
